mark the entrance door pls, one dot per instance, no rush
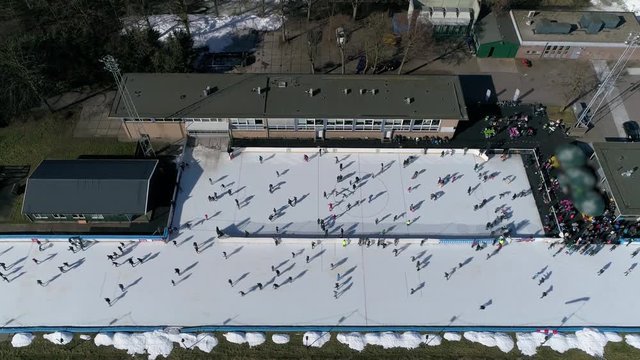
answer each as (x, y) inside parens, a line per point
(491, 50)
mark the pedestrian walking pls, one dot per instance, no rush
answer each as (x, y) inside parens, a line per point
(344, 242)
(108, 301)
(224, 253)
(121, 287)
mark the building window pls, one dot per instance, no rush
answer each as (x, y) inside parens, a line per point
(247, 124)
(281, 124)
(397, 124)
(426, 125)
(368, 124)
(97, 217)
(40, 216)
(309, 124)
(59, 216)
(548, 47)
(77, 217)
(340, 124)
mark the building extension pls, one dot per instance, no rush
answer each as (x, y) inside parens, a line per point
(172, 106)
(618, 169)
(593, 35)
(447, 16)
(88, 190)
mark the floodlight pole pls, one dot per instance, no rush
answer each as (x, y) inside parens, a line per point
(605, 87)
(111, 65)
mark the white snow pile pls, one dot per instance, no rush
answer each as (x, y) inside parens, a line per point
(588, 340)
(613, 337)
(22, 339)
(633, 340)
(503, 341)
(207, 30)
(407, 340)
(155, 343)
(452, 336)
(431, 340)
(60, 338)
(354, 340)
(315, 339)
(252, 338)
(528, 343)
(280, 338)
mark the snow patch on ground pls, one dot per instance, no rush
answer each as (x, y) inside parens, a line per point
(588, 340)
(613, 337)
(59, 338)
(315, 339)
(22, 339)
(633, 340)
(207, 30)
(236, 338)
(280, 338)
(354, 340)
(528, 343)
(617, 5)
(503, 341)
(255, 338)
(155, 343)
(452, 336)
(431, 340)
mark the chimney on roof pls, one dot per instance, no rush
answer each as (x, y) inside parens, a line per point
(346, 91)
(311, 92)
(373, 91)
(259, 90)
(363, 91)
(408, 100)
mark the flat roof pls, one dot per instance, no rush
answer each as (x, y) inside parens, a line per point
(159, 95)
(493, 28)
(616, 158)
(88, 186)
(618, 35)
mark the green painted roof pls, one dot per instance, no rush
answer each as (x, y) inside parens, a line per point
(287, 96)
(492, 28)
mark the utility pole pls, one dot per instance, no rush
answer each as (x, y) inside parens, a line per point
(609, 82)
(111, 65)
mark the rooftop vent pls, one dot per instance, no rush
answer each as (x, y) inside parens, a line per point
(311, 91)
(531, 14)
(258, 90)
(408, 100)
(363, 91)
(282, 84)
(346, 91)
(373, 91)
(546, 26)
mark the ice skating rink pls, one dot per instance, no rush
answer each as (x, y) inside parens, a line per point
(381, 203)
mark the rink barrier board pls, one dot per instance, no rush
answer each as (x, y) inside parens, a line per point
(65, 237)
(332, 329)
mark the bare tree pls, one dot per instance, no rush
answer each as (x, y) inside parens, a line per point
(376, 29)
(183, 14)
(354, 5)
(417, 40)
(283, 10)
(500, 7)
(309, 10)
(578, 82)
(313, 39)
(264, 7)
(215, 7)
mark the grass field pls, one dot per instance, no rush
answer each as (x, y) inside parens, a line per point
(81, 349)
(50, 136)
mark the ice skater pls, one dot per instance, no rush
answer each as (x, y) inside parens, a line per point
(260, 158)
(230, 282)
(307, 259)
(177, 271)
(341, 167)
(469, 191)
(196, 248)
(108, 301)
(121, 286)
(224, 254)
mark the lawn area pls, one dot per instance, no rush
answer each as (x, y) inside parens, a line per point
(30, 141)
(80, 349)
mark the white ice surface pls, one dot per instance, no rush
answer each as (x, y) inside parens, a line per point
(280, 338)
(207, 30)
(59, 338)
(380, 197)
(21, 339)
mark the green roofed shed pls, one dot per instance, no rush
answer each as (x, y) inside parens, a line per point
(495, 37)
